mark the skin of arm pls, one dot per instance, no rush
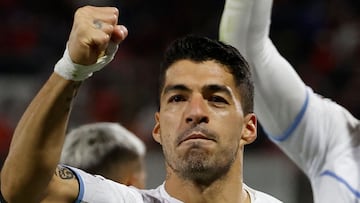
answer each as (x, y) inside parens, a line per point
(28, 171)
(37, 141)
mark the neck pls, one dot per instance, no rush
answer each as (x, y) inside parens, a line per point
(225, 189)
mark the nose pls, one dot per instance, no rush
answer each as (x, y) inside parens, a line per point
(196, 111)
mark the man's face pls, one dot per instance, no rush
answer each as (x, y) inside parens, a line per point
(200, 121)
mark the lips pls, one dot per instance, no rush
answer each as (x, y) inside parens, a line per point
(195, 135)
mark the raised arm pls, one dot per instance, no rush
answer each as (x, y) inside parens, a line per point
(303, 124)
(28, 172)
(280, 94)
(234, 24)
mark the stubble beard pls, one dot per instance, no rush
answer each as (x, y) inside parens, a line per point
(202, 168)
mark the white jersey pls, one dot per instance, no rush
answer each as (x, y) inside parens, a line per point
(323, 139)
(320, 136)
(96, 189)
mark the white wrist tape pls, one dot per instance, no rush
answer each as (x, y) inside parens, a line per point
(69, 70)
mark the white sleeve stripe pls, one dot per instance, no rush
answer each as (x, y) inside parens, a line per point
(341, 180)
(288, 132)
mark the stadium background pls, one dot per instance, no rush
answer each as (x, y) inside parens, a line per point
(319, 37)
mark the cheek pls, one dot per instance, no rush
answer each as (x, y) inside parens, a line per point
(229, 124)
(170, 119)
(228, 119)
(168, 127)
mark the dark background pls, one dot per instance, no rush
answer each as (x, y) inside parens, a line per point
(319, 38)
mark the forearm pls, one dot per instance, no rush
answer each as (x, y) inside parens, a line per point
(38, 139)
(37, 142)
(234, 24)
(280, 94)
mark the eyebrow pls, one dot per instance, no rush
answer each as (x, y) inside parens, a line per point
(206, 88)
(176, 87)
(217, 88)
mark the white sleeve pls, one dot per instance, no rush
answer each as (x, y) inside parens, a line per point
(234, 24)
(305, 125)
(94, 188)
(280, 94)
(281, 98)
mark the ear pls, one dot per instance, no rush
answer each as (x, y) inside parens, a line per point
(249, 131)
(156, 129)
(132, 180)
(136, 179)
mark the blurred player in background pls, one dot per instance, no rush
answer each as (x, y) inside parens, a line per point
(106, 149)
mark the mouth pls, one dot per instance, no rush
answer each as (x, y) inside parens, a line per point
(196, 136)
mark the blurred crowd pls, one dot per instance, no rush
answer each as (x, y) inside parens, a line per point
(321, 38)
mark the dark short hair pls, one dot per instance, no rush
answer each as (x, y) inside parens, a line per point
(200, 49)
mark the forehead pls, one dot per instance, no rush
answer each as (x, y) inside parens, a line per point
(188, 72)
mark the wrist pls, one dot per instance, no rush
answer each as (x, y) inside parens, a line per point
(69, 70)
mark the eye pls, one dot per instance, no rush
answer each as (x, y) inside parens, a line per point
(218, 99)
(176, 98)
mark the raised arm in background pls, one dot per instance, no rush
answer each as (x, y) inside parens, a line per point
(38, 139)
(319, 135)
(245, 24)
